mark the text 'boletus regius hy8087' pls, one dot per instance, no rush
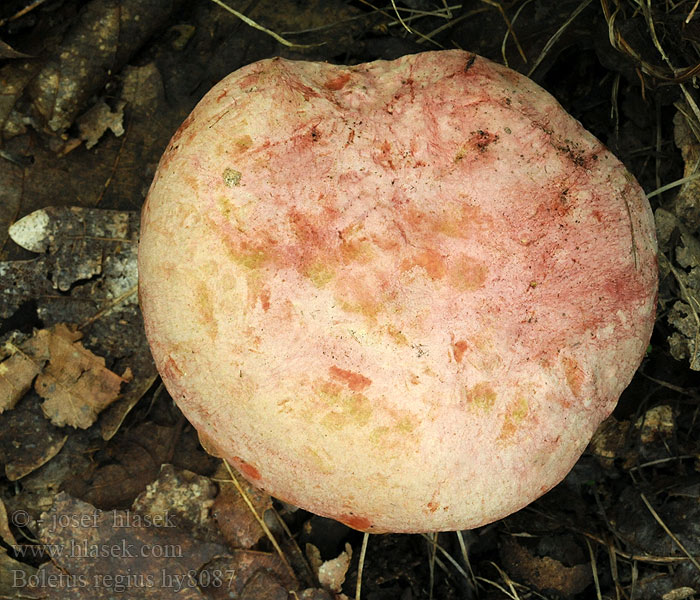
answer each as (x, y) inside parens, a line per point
(401, 294)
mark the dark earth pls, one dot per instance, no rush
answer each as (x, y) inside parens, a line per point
(106, 491)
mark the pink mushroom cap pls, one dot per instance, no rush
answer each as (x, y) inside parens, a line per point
(401, 294)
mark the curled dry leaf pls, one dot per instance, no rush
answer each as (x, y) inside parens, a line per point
(656, 424)
(330, 573)
(74, 382)
(17, 372)
(103, 38)
(98, 119)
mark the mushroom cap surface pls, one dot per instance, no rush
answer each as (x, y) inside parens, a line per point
(401, 294)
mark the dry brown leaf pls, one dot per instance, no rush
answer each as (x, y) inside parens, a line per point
(17, 372)
(685, 204)
(98, 119)
(655, 424)
(74, 382)
(609, 441)
(27, 439)
(544, 572)
(237, 523)
(182, 497)
(5, 532)
(258, 576)
(103, 38)
(91, 255)
(12, 574)
(330, 573)
(7, 51)
(114, 553)
(66, 469)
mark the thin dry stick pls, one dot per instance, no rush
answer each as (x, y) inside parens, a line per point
(360, 566)
(661, 461)
(612, 557)
(673, 184)
(432, 541)
(509, 25)
(508, 581)
(22, 12)
(398, 16)
(326, 25)
(259, 519)
(557, 34)
(509, 31)
(676, 388)
(614, 110)
(248, 21)
(465, 556)
(450, 558)
(498, 586)
(449, 10)
(450, 23)
(109, 307)
(594, 569)
(659, 144)
(413, 31)
(669, 533)
(299, 555)
(644, 558)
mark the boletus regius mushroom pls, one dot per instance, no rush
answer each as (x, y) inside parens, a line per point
(401, 294)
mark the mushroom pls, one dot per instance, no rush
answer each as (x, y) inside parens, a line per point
(401, 294)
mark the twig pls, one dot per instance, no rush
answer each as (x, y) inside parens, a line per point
(510, 30)
(21, 13)
(248, 21)
(594, 569)
(557, 34)
(669, 533)
(259, 519)
(509, 26)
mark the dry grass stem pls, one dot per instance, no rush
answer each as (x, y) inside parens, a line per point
(259, 519)
(248, 21)
(668, 532)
